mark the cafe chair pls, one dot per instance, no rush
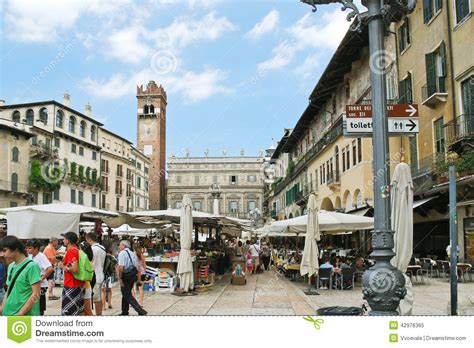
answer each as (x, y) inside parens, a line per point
(324, 276)
(347, 276)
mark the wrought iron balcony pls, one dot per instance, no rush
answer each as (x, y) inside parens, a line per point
(334, 180)
(434, 92)
(44, 152)
(460, 132)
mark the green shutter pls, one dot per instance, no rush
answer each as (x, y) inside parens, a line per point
(438, 4)
(401, 92)
(467, 90)
(426, 11)
(462, 10)
(408, 89)
(430, 73)
(401, 43)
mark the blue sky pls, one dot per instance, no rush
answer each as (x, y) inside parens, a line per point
(236, 72)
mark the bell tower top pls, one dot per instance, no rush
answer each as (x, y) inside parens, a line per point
(152, 90)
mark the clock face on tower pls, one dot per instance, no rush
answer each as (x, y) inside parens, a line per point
(147, 130)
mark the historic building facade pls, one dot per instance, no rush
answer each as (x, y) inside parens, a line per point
(240, 182)
(151, 138)
(15, 156)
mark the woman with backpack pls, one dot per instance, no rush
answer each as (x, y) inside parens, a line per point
(109, 277)
(141, 272)
(72, 297)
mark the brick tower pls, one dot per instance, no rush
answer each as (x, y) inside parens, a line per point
(151, 138)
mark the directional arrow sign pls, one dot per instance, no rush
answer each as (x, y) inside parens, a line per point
(363, 126)
(393, 110)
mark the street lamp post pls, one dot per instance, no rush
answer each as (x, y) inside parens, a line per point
(383, 284)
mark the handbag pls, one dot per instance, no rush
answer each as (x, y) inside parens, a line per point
(132, 273)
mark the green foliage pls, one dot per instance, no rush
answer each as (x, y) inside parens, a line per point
(94, 177)
(88, 176)
(82, 177)
(47, 179)
(466, 162)
(73, 171)
(291, 166)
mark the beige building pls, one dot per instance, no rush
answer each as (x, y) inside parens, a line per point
(15, 155)
(240, 181)
(64, 152)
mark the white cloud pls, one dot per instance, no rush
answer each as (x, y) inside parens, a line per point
(44, 21)
(266, 25)
(192, 86)
(127, 45)
(309, 33)
(308, 67)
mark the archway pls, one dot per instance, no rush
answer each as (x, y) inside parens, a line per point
(337, 203)
(326, 204)
(358, 198)
(347, 201)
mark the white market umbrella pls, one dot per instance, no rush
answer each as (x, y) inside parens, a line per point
(309, 260)
(402, 224)
(185, 265)
(330, 222)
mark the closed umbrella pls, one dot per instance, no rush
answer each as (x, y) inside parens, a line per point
(309, 261)
(402, 224)
(185, 266)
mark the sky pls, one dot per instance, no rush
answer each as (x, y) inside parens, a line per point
(236, 72)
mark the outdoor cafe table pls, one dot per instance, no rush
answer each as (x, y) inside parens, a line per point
(413, 269)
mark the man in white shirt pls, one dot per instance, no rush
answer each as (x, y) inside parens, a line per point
(98, 260)
(255, 251)
(34, 253)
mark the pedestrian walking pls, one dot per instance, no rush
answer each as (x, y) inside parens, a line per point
(23, 280)
(33, 248)
(3, 275)
(86, 248)
(255, 252)
(127, 273)
(98, 260)
(72, 298)
(51, 253)
(141, 273)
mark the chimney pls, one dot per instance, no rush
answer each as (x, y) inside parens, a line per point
(88, 109)
(2, 102)
(67, 99)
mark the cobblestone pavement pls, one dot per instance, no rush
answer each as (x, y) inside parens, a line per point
(273, 294)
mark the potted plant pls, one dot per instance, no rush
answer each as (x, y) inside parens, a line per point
(441, 170)
(465, 164)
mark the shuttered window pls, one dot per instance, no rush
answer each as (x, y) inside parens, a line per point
(404, 35)
(436, 70)
(406, 90)
(462, 10)
(430, 8)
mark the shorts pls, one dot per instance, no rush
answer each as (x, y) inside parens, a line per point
(256, 260)
(97, 292)
(51, 276)
(108, 283)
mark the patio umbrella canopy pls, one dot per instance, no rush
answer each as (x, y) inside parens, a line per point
(48, 220)
(309, 260)
(402, 224)
(185, 266)
(329, 222)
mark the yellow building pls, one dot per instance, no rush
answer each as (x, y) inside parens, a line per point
(435, 57)
(15, 153)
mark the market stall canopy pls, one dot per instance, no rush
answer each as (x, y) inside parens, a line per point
(130, 231)
(134, 222)
(329, 222)
(48, 220)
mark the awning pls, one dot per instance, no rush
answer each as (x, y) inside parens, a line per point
(465, 203)
(416, 204)
(361, 212)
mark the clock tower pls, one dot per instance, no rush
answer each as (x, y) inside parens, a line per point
(151, 138)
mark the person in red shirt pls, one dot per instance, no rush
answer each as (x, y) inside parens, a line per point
(72, 299)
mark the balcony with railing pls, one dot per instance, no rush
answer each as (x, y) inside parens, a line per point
(43, 151)
(334, 180)
(13, 187)
(433, 93)
(328, 138)
(460, 131)
(424, 172)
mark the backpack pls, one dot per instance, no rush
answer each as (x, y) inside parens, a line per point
(109, 265)
(86, 270)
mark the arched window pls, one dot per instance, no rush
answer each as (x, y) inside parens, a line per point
(72, 124)
(15, 154)
(82, 129)
(152, 109)
(16, 117)
(145, 109)
(14, 182)
(44, 115)
(59, 119)
(30, 117)
(93, 133)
